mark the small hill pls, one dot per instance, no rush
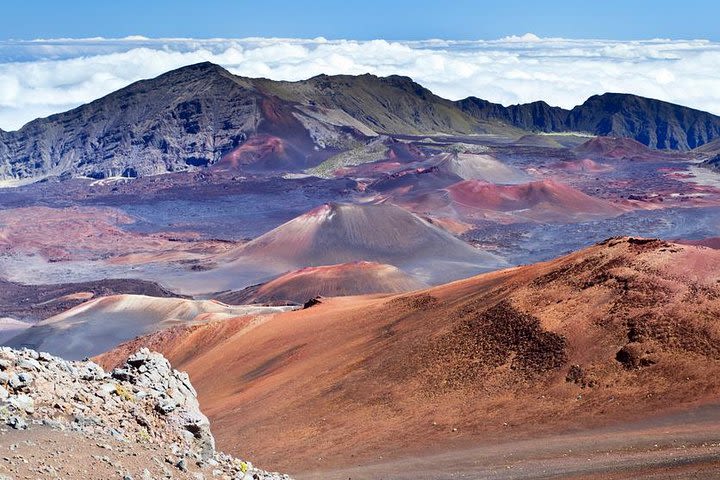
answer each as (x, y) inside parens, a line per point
(469, 166)
(100, 324)
(355, 278)
(38, 302)
(544, 200)
(585, 165)
(614, 148)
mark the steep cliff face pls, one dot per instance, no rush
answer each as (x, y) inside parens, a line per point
(653, 123)
(185, 119)
(538, 116)
(182, 119)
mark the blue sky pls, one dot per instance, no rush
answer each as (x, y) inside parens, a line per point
(506, 51)
(394, 20)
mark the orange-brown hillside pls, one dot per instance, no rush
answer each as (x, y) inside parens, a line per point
(621, 330)
(354, 278)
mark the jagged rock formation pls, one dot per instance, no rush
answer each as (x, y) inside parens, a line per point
(144, 400)
(654, 123)
(203, 115)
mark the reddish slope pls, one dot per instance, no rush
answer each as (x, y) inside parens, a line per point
(618, 331)
(256, 149)
(545, 200)
(711, 242)
(354, 278)
(280, 142)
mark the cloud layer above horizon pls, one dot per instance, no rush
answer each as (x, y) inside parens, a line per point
(41, 77)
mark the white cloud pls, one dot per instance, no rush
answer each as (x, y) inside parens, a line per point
(41, 77)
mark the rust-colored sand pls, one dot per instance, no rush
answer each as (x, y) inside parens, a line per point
(616, 332)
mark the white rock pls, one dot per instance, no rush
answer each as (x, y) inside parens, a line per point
(22, 403)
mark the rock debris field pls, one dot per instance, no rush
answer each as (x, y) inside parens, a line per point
(73, 420)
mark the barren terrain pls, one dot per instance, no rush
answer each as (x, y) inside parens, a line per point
(597, 337)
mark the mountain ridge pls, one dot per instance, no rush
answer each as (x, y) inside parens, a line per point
(665, 125)
(202, 115)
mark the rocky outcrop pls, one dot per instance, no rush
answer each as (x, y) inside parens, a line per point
(144, 400)
(712, 163)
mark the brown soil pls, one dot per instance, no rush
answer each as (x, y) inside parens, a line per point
(509, 355)
(670, 447)
(42, 452)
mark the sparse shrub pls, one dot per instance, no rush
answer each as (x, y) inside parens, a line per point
(143, 436)
(124, 393)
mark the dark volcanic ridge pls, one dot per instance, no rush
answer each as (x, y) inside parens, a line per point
(653, 123)
(202, 115)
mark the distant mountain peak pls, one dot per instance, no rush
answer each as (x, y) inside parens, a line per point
(197, 69)
(200, 115)
(654, 123)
